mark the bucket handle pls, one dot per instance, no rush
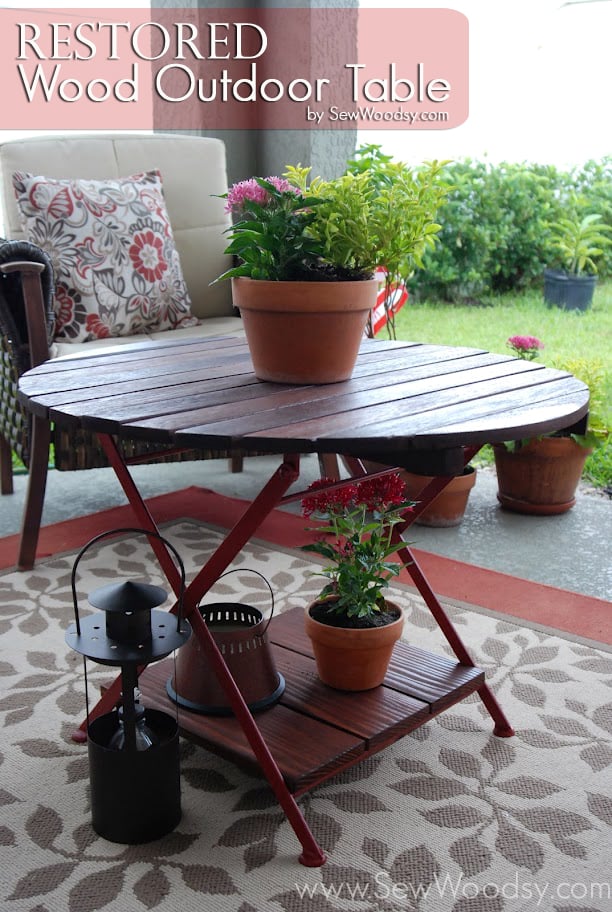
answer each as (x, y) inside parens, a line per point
(261, 576)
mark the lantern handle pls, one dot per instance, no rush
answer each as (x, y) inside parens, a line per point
(148, 532)
(250, 570)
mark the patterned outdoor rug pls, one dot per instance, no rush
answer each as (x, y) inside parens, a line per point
(449, 818)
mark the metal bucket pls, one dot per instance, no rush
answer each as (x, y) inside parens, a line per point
(240, 634)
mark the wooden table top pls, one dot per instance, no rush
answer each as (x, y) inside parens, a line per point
(403, 398)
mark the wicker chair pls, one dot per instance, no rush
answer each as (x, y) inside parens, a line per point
(26, 336)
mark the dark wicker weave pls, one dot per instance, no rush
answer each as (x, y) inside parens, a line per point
(15, 422)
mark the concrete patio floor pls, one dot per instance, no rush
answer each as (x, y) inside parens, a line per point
(571, 551)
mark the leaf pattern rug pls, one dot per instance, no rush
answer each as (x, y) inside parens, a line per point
(449, 818)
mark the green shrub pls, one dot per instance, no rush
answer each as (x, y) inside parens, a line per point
(496, 234)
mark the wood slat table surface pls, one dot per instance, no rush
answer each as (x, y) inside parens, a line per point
(403, 398)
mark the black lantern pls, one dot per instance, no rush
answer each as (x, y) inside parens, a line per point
(133, 751)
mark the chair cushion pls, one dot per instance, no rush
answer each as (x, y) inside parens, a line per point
(117, 271)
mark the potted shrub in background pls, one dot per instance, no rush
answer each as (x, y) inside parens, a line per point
(308, 251)
(539, 475)
(448, 508)
(353, 628)
(578, 240)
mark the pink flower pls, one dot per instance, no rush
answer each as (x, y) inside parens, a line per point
(251, 190)
(525, 346)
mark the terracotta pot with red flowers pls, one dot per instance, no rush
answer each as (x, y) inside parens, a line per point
(352, 626)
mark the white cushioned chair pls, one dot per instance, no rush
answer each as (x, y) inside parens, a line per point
(193, 174)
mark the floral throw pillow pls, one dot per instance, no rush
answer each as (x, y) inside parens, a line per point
(117, 270)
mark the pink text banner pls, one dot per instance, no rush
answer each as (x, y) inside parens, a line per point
(194, 69)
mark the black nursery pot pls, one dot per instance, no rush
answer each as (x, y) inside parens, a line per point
(135, 795)
(570, 292)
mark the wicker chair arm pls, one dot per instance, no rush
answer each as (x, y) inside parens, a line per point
(27, 318)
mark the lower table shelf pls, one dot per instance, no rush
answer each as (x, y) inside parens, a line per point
(315, 732)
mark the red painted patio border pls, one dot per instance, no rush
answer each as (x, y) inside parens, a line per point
(571, 612)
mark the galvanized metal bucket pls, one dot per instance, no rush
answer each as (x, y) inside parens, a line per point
(240, 632)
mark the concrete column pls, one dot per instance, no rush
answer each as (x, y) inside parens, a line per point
(263, 152)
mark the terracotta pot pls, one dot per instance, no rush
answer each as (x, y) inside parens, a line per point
(304, 332)
(449, 506)
(540, 477)
(353, 659)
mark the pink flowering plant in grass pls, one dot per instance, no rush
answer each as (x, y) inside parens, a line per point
(526, 347)
(356, 539)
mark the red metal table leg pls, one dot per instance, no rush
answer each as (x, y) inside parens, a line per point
(502, 728)
(312, 855)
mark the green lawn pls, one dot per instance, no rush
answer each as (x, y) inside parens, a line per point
(567, 336)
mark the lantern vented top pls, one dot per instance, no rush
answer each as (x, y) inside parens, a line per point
(126, 596)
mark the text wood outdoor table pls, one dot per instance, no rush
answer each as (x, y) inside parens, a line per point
(428, 408)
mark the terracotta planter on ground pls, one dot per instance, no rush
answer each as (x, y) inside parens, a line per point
(541, 477)
(449, 506)
(353, 658)
(304, 332)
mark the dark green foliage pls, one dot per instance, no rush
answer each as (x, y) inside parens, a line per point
(496, 225)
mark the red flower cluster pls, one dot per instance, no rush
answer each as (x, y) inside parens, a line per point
(376, 494)
(326, 501)
(525, 346)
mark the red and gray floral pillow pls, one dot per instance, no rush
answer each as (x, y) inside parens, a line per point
(117, 270)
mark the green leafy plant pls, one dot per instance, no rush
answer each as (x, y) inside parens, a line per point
(298, 227)
(591, 372)
(579, 240)
(270, 236)
(404, 206)
(356, 539)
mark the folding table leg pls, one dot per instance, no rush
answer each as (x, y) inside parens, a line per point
(502, 727)
(312, 854)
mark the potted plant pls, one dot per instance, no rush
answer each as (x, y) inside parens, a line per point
(448, 508)
(308, 250)
(353, 628)
(578, 240)
(539, 475)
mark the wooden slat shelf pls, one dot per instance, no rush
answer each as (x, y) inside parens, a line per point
(314, 731)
